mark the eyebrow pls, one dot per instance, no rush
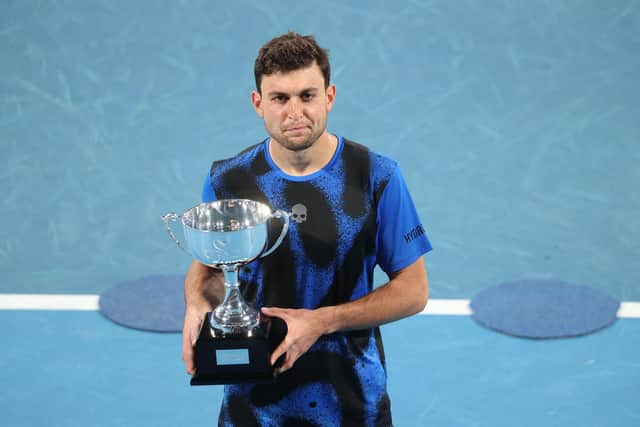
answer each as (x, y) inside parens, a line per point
(303, 91)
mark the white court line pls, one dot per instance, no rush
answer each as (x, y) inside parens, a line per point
(450, 307)
(447, 307)
(629, 309)
(48, 302)
(460, 307)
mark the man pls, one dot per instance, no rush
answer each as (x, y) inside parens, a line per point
(350, 211)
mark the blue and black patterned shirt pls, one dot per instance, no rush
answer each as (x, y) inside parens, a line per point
(353, 214)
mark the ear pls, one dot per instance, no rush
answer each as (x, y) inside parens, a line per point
(331, 96)
(256, 100)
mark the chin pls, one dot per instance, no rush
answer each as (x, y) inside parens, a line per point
(301, 146)
(296, 145)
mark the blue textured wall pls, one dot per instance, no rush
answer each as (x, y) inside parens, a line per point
(515, 122)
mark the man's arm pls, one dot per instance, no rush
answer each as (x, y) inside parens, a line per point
(405, 294)
(203, 290)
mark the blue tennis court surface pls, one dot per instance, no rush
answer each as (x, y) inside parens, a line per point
(78, 369)
(515, 124)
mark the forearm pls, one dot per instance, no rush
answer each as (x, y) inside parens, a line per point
(203, 287)
(377, 308)
(404, 295)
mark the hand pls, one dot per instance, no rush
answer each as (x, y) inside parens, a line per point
(304, 327)
(193, 319)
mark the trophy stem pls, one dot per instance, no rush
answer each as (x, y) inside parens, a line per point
(234, 315)
(230, 277)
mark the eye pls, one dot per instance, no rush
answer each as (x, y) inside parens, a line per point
(280, 99)
(307, 96)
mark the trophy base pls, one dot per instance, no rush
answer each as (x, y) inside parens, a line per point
(238, 358)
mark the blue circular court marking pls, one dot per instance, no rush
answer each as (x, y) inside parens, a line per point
(543, 309)
(151, 303)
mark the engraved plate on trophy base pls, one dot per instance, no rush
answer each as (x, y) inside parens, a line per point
(235, 358)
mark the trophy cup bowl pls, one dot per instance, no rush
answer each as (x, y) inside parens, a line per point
(234, 343)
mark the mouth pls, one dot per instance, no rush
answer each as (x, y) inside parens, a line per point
(296, 128)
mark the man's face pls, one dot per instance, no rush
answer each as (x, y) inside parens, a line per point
(294, 106)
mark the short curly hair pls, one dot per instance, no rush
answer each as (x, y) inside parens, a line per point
(290, 52)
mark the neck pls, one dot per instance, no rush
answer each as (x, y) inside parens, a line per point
(304, 162)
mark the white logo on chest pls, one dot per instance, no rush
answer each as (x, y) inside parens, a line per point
(299, 213)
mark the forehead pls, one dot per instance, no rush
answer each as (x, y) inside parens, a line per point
(293, 81)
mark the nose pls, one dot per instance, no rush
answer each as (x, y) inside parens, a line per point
(294, 110)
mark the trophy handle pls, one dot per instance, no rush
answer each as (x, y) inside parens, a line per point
(171, 216)
(285, 227)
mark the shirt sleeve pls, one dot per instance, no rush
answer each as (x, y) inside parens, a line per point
(208, 195)
(401, 237)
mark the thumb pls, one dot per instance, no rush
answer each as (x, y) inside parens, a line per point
(195, 332)
(269, 310)
(192, 327)
(273, 311)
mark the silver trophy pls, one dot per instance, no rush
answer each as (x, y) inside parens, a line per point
(227, 234)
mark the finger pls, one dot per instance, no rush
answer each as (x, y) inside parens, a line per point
(279, 351)
(188, 357)
(290, 359)
(190, 334)
(274, 312)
